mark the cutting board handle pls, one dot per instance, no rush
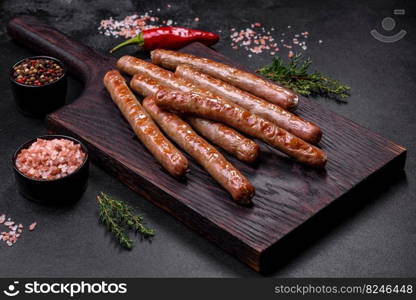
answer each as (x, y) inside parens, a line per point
(45, 40)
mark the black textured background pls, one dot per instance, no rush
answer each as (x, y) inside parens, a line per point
(376, 237)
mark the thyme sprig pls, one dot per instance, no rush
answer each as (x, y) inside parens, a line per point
(295, 76)
(117, 215)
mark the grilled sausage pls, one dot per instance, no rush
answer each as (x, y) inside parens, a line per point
(206, 155)
(243, 120)
(132, 65)
(190, 79)
(144, 85)
(146, 130)
(301, 128)
(230, 140)
(241, 79)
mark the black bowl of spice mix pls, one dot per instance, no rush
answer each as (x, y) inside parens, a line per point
(39, 85)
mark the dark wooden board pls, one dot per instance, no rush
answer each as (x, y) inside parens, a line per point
(287, 194)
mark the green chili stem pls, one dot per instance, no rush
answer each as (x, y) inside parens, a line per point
(136, 40)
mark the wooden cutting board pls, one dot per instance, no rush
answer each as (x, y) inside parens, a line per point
(287, 193)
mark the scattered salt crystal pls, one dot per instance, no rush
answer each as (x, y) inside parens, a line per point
(2, 218)
(32, 226)
(8, 223)
(196, 19)
(133, 25)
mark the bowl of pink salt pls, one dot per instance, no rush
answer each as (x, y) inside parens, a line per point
(51, 169)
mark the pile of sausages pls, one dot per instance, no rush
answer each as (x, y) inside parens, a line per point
(205, 102)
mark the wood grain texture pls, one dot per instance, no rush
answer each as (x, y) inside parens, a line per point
(287, 193)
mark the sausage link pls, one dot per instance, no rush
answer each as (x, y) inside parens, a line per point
(133, 65)
(205, 154)
(189, 79)
(227, 138)
(146, 130)
(244, 80)
(304, 129)
(243, 120)
(145, 85)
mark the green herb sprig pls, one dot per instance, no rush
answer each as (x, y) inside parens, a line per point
(295, 76)
(117, 215)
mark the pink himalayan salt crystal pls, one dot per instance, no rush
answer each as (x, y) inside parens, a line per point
(15, 230)
(257, 39)
(32, 226)
(50, 159)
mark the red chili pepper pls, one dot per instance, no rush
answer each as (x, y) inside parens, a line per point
(169, 38)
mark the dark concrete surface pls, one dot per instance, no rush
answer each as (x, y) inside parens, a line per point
(377, 237)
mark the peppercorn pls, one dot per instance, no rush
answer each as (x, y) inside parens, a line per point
(37, 71)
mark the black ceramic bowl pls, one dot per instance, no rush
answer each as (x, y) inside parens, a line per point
(63, 190)
(37, 101)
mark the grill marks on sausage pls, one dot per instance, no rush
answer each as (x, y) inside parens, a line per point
(304, 129)
(241, 119)
(225, 137)
(214, 162)
(135, 66)
(188, 79)
(148, 79)
(203, 100)
(144, 127)
(204, 153)
(244, 80)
